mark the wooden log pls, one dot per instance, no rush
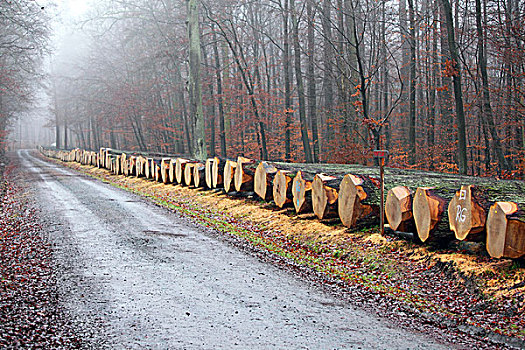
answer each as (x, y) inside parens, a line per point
(140, 166)
(228, 174)
(209, 172)
(132, 165)
(164, 170)
(180, 164)
(263, 179)
(398, 209)
(125, 167)
(156, 168)
(117, 170)
(101, 157)
(358, 199)
(107, 157)
(467, 213)
(217, 178)
(188, 173)
(324, 196)
(122, 160)
(282, 188)
(112, 164)
(244, 174)
(302, 192)
(429, 215)
(506, 230)
(171, 171)
(199, 175)
(147, 168)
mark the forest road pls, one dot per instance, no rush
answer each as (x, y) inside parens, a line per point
(136, 276)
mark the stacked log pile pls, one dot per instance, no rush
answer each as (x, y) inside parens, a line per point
(434, 207)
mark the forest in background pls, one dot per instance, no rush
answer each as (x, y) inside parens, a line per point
(438, 83)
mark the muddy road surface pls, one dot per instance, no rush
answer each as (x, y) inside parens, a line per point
(136, 276)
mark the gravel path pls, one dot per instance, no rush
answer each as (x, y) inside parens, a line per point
(133, 275)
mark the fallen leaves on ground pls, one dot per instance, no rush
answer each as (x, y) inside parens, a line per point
(30, 316)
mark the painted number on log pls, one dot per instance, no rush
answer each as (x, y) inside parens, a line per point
(461, 215)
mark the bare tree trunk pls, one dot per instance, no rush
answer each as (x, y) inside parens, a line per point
(211, 108)
(458, 93)
(328, 55)
(487, 114)
(65, 131)
(300, 85)
(412, 84)
(222, 131)
(199, 147)
(287, 85)
(385, 75)
(431, 127)
(405, 63)
(312, 105)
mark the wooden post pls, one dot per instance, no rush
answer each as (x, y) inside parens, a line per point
(382, 204)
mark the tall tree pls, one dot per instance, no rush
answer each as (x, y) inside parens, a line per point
(300, 85)
(487, 113)
(197, 116)
(312, 98)
(454, 70)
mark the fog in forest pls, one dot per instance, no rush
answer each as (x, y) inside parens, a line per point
(293, 80)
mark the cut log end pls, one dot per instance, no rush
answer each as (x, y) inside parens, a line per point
(300, 189)
(164, 170)
(229, 172)
(348, 201)
(264, 173)
(398, 207)
(466, 218)
(323, 197)
(199, 175)
(243, 179)
(209, 172)
(188, 174)
(171, 170)
(319, 199)
(281, 188)
(261, 182)
(180, 164)
(428, 210)
(505, 235)
(217, 174)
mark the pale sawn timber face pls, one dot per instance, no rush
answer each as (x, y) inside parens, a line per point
(209, 172)
(348, 201)
(260, 185)
(319, 198)
(299, 191)
(280, 188)
(421, 210)
(393, 209)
